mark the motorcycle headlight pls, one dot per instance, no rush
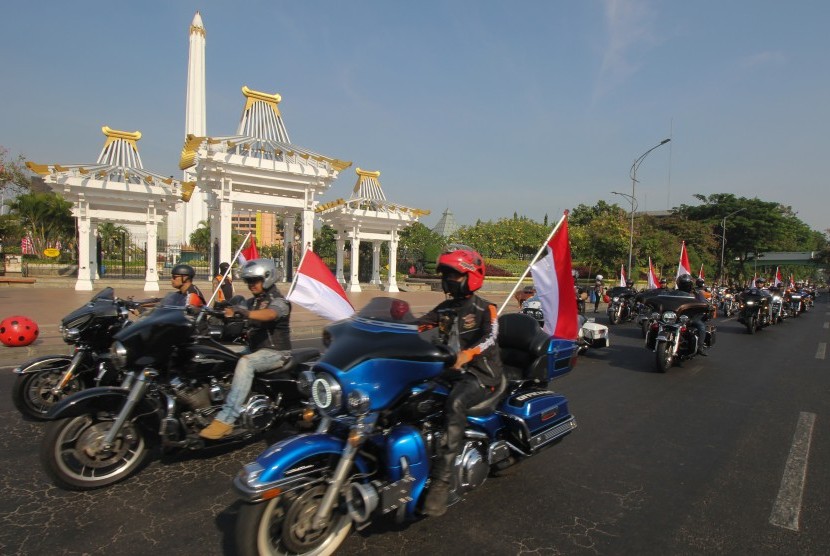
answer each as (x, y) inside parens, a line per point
(750, 303)
(70, 335)
(118, 355)
(327, 393)
(669, 317)
(358, 402)
(616, 300)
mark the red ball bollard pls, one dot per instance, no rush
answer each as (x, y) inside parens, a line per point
(18, 331)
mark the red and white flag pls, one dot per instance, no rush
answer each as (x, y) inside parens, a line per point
(555, 286)
(622, 276)
(754, 277)
(792, 282)
(683, 267)
(249, 253)
(27, 246)
(653, 281)
(317, 289)
(779, 280)
(700, 274)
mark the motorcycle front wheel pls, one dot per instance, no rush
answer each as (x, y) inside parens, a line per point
(663, 356)
(74, 456)
(33, 394)
(282, 526)
(751, 325)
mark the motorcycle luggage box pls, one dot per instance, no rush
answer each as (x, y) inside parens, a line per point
(541, 417)
(595, 334)
(527, 352)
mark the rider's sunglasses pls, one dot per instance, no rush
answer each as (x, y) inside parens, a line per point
(251, 281)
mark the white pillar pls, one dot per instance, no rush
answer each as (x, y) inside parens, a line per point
(93, 250)
(341, 246)
(375, 263)
(225, 231)
(393, 262)
(354, 285)
(308, 231)
(151, 278)
(288, 223)
(84, 281)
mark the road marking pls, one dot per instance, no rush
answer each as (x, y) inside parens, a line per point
(786, 511)
(822, 349)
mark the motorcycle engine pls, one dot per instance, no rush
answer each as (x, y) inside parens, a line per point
(259, 412)
(471, 467)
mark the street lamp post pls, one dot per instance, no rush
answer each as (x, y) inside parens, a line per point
(634, 206)
(633, 174)
(723, 240)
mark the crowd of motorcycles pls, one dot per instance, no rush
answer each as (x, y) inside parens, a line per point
(365, 414)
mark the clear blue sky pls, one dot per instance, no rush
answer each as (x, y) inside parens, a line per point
(483, 107)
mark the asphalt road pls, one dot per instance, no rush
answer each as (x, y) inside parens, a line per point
(707, 458)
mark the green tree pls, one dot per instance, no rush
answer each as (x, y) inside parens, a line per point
(200, 238)
(419, 244)
(46, 217)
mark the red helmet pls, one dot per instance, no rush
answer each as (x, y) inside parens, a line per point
(466, 261)
(18, 331)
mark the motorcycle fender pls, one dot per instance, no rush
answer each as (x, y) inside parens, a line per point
(26, 368)
(279, 461)
(100, 398)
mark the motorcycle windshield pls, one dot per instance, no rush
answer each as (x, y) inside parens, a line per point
(107, 293)
(380, 351)
(149, 341)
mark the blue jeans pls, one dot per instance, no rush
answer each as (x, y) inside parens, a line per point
(243, 376)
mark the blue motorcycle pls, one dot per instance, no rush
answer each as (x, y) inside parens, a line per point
(380, 393)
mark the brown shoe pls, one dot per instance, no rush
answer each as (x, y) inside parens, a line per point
(216, 430)
(438, 496)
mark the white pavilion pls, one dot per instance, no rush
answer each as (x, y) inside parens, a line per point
(116, 189)
(368, 216)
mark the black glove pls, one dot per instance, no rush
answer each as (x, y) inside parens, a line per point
(241, 311)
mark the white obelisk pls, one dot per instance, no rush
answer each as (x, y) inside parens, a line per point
(187, 217)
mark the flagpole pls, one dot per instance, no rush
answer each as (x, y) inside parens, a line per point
(532, 262)
(225, 275)
(296, 274)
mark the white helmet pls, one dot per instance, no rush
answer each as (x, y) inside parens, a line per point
(599, 276)
(262, 269)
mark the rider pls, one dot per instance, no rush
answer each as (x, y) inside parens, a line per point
(470, 325)
(686, 283)
(599, 291)
(269, 341)
(225, 286)
(181, 278)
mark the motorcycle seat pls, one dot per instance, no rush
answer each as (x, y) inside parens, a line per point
(521, 346)
(298, 356)
(489, 404)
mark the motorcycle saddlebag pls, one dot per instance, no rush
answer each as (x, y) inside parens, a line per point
(595, 334)
(538, 418)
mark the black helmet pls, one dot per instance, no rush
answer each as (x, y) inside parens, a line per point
(760, 281)
(183, 270)
(700, 283)
(629, 283)
(684, 283)
(223, 267)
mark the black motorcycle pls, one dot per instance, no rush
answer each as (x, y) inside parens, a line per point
(670, 336)
(45, 380)
(177, 378)
(621, 307)
(754, 311)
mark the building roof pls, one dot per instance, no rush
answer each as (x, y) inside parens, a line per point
(447, 225)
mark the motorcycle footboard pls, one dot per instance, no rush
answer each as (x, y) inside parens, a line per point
(395, 495)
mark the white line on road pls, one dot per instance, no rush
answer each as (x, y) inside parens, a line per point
(786, 511)
(822, 349)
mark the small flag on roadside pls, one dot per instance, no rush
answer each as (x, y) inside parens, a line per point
(318, 290)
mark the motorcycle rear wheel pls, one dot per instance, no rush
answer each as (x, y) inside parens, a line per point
(32, 392)
(282, 526)
(73, 456)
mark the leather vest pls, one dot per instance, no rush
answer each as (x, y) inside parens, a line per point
(274, 334)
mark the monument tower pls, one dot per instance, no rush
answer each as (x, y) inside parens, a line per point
(186, 219)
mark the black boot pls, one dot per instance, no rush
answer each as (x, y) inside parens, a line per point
(438, 495)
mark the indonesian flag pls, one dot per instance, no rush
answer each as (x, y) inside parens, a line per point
(555, 286)
(779, 280)
(317, 289)
(249, 253)
(754, 277)
(653, 281)
(700, 274)
(683, 267)
(622, 276)
(27, 246)
(792, 282)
